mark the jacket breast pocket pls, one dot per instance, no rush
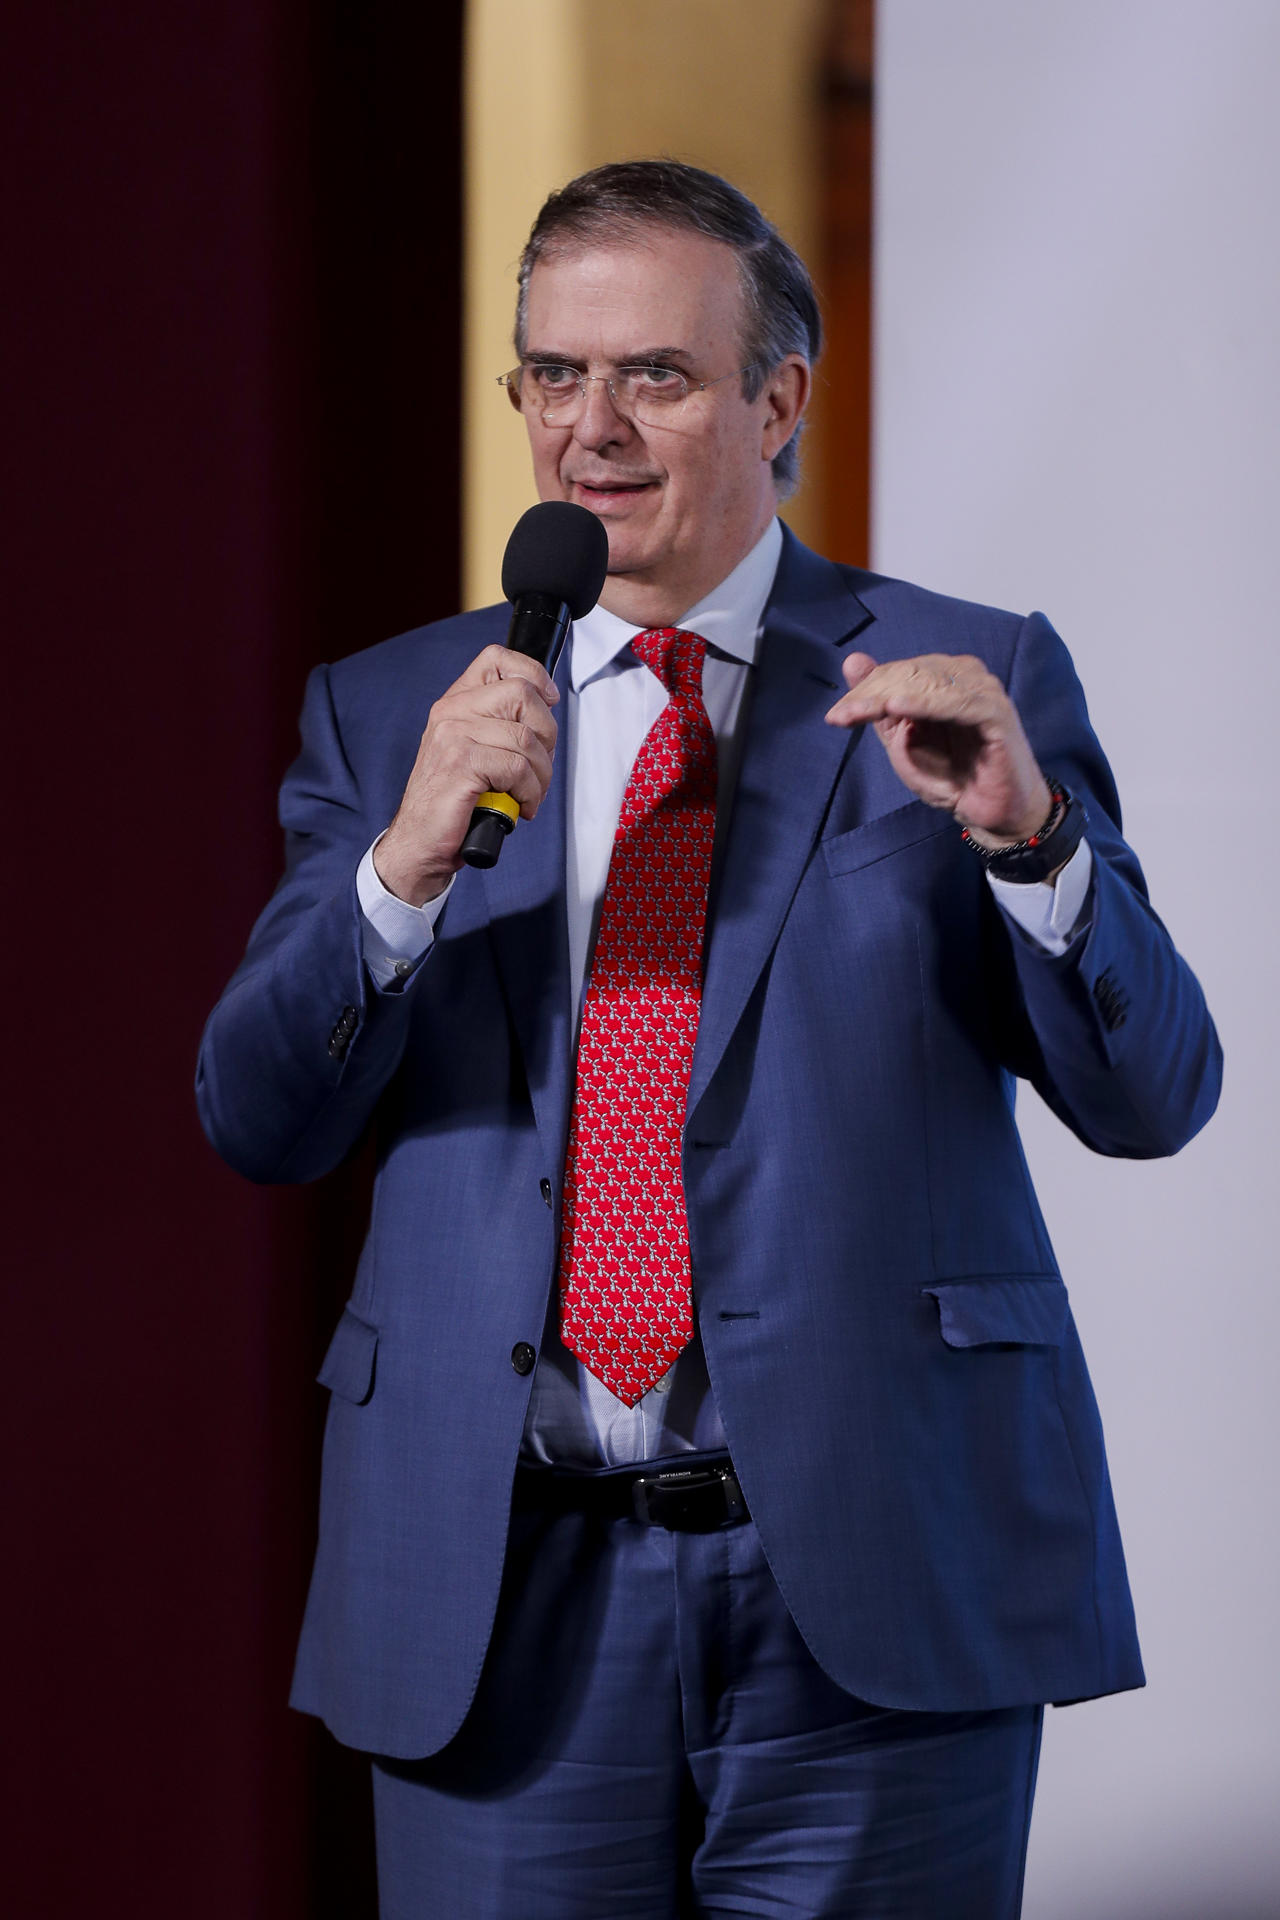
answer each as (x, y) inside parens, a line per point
(349, 1364)
(1024, 1310)
(877, 839)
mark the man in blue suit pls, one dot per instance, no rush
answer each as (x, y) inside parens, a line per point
(730, 1574)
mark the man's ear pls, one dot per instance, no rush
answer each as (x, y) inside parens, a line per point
(787, 391)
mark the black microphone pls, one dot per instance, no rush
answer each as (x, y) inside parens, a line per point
(552, 573)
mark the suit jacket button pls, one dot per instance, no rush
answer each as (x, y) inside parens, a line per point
(544, 1188)
(523, 1357)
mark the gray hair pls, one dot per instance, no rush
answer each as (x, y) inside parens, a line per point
(621, 200)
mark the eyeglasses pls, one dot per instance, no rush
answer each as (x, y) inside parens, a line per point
(647, 394)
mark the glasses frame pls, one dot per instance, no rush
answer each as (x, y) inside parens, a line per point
(511, 381)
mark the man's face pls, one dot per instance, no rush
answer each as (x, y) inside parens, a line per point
(684, 501)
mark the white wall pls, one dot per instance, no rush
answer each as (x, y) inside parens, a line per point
(1078, 408)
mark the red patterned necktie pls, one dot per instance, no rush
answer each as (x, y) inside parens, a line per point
(626, 1302)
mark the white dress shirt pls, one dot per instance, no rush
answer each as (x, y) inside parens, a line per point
(613, 701)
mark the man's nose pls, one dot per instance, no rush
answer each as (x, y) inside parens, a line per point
(599, 422)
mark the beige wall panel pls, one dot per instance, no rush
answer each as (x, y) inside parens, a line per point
(554, 86)
(525, 68)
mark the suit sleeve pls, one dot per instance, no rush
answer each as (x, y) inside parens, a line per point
(301, 1045)
(1121, 1044)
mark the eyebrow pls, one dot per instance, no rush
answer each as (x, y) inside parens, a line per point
(642, 356)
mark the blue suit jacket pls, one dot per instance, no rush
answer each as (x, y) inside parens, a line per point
(887, 1334)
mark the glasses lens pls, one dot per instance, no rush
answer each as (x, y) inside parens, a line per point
(556, 394)
(553, 392)
(648, 394)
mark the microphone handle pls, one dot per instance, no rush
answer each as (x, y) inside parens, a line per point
(539, 624)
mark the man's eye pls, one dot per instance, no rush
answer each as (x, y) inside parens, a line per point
(550, 379)
(649, 385)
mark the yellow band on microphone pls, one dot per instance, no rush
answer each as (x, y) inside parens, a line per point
(500, 803)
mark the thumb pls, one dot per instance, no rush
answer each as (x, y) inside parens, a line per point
(856, 667)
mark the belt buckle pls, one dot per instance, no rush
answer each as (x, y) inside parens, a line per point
(662, 1499)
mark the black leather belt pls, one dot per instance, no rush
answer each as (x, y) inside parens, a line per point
(696, 1498)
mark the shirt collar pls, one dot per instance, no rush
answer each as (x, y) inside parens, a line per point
(729, 617)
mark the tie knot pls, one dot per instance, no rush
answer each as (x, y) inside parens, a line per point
(675, 655)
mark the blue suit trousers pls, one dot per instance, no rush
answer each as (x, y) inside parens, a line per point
(651, 1739)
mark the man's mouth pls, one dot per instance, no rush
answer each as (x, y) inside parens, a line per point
(609, 487)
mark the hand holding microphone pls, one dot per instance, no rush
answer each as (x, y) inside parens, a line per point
(552, 573)
(485, 757)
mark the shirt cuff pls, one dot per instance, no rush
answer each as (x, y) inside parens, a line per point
(394, 935)
(1050, 915)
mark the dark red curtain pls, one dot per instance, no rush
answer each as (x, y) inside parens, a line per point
(231, 339)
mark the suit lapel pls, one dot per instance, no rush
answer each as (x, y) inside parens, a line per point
(526, 899)
(789, 766)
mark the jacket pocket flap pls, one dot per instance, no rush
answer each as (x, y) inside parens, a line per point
(348, 1365)
(904, 827)
(1022, 1311)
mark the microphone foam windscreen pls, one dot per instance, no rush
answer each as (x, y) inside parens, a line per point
(559, 549)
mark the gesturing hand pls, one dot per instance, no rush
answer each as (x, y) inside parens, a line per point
(953, 737)
(493, 731)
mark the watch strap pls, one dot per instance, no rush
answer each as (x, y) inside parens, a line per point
(1043, 852)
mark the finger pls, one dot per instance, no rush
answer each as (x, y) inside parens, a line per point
(523, 773)
(516, 701)
(503, 663)
(934, 687)
(515, 753)
(522, 704)
(931, 775)
(871, 686)
(856, 667)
